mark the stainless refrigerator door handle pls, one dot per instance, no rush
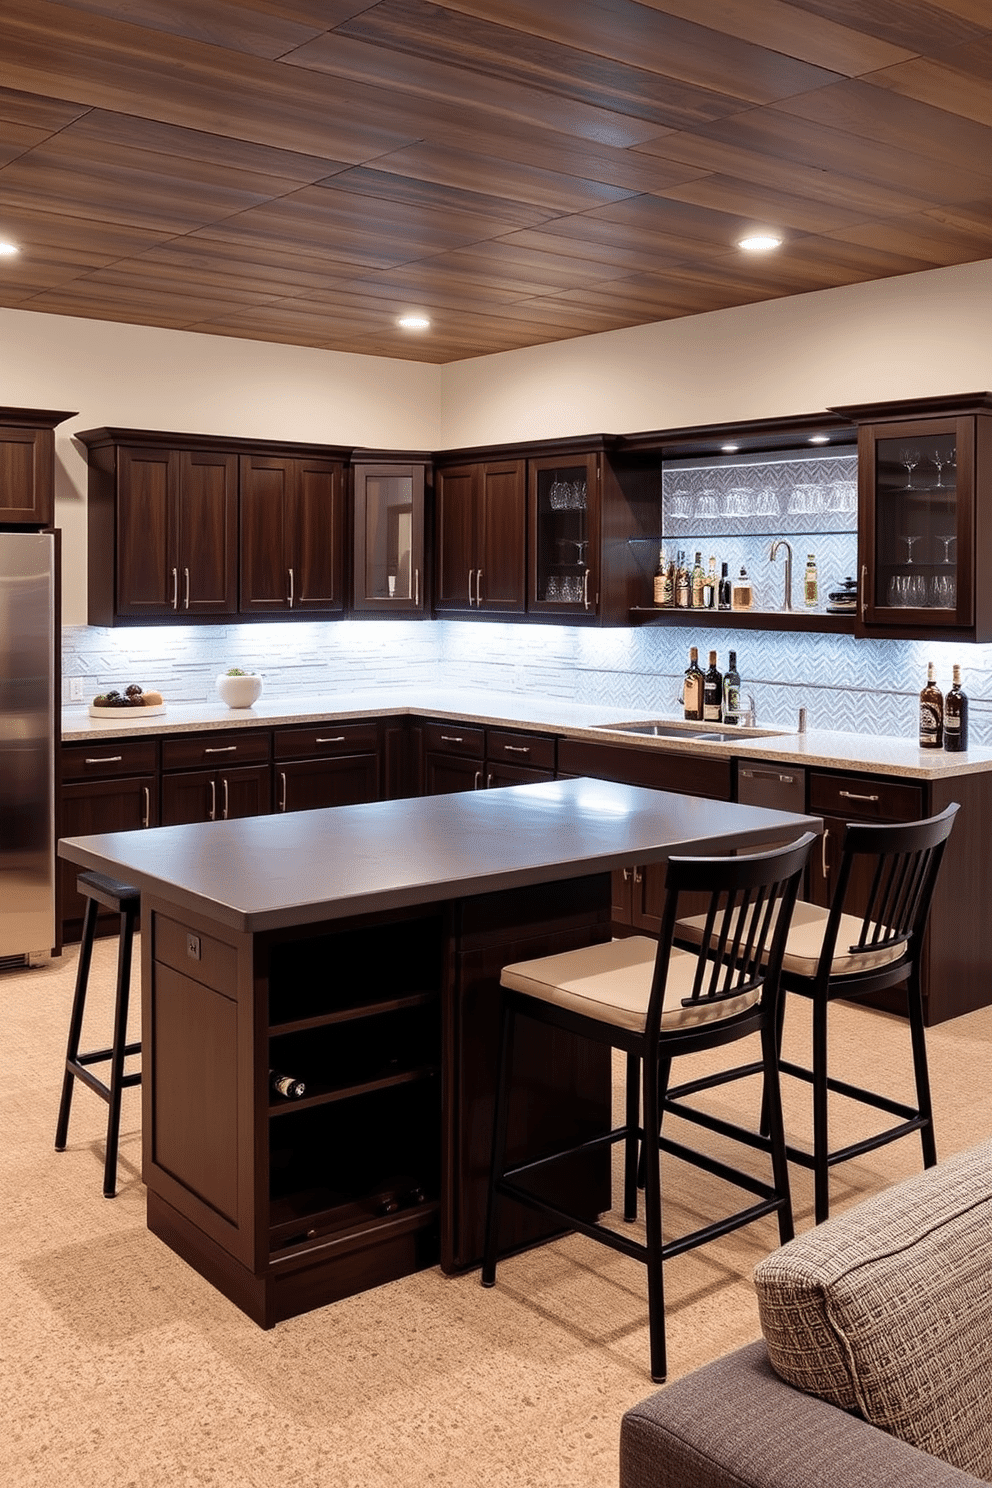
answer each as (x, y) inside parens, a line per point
(282, 790)
(213, 801)
(147, 816)
(185, 588)
(291, 587)
(175, 588)
(223, 810)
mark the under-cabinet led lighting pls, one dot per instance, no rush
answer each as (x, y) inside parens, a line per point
(759, 243)
(730, 449)
(7, 250)
(819, 439)
(414, 322)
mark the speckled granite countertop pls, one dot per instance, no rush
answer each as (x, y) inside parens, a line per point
(875, 754)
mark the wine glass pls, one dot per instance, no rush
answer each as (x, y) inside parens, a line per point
(938, 459)
(910, 458)
(909, 541)
(947, 546)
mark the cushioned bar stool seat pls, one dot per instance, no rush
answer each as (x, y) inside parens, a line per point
(655, 1002)
(126, 901)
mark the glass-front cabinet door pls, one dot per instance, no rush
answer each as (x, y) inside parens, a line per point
(917, 492)
(389, 538)
(564, 532)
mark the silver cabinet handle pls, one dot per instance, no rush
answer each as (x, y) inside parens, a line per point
(517, 748)
(853, 796)
(768, 775)
(223, 810)
(104, 759)
(626, 875)
(213, 800)
(220, 748)
(470, 588)
(864, 588)
(185, 588)
(147, 816)
(416, 586)
(478, 586)
(452, 739)
(477, 782)
(282, 790)
(489, 780)
(637, 875)
(585, 590)
(291, 586)
(175, 588)
(331, 739)
(823, 853)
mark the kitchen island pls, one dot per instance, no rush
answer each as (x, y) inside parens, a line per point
(359, 949)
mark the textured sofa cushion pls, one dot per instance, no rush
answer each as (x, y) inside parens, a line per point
(887, 1310)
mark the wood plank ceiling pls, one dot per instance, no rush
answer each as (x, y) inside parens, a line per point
(306, 171)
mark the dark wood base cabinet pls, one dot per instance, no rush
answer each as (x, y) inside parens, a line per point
(379, 1168)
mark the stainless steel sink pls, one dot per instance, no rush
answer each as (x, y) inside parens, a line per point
(667, 729)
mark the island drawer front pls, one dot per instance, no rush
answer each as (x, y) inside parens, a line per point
(200, 957)
(454, 738)
(658, 770)
(102, 757)
(535, 750)
(198, 751)
(327, 738)
(864, 798)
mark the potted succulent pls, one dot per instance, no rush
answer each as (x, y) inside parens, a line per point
(239, 688)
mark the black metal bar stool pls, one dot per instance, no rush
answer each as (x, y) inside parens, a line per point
(126, 901)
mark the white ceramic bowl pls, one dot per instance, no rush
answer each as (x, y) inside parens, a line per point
(239, 692)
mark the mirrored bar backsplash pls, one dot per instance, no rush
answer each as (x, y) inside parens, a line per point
(854, 686)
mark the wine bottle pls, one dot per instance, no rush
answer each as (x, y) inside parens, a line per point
(692, 688)
(698, 582)
(286, 1085)
(712, 692)
(742, 594)
(723, 593)
(811, 585)
(931, 713)
(660, 580)
(710, 585)
(683, 590)
(732, 692)
(956, 715)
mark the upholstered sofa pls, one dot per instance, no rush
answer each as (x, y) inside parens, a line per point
(875, 1370)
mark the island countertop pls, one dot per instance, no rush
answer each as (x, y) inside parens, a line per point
(830, 749)
(268, 872)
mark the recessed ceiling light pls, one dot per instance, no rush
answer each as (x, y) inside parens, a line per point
(730, 449)
(7, 250)
(759, 243)
(819, 439)
(414, 322)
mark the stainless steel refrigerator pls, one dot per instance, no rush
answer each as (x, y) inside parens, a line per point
(29, 704)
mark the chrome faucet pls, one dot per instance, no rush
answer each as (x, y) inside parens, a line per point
(781, 543)
(749, 716)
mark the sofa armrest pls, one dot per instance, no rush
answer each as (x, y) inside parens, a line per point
(735, 1424)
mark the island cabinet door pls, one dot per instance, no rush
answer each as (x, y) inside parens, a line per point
(199, 1098)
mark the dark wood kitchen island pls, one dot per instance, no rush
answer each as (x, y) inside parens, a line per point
(358, 949)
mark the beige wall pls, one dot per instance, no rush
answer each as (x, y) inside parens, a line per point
(898, 338)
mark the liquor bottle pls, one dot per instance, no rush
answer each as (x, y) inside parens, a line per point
(683, 589)
(660, 580)
(811, 586)
(698, 581)
(742, 594)
(692, 688)
(956, 715)
(732, 692)
(710, 584)
(723, 593)
(712, 692)
(286, 1086)
(931, 713)
(670, 582)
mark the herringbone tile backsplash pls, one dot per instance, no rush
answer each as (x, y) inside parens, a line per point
(856, 686)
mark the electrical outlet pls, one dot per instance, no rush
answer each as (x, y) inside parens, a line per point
(75, 689)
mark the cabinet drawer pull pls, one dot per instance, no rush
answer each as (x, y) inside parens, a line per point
(213, 800)
(223, 810)
(106, 759)
(291, 586)
(175, 588)
(517, 748)
(282, 790)
(331, 739)
(147, 815)
(185, 588)
(220, 749)
(853, 796)
(452, 739)
(768, 775)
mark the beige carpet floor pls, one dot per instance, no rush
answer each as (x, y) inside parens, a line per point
(121, 1368)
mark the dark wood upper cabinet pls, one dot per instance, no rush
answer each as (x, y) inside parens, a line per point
(481, 526)
(389, 573)
(292, 535)
(27, 466)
